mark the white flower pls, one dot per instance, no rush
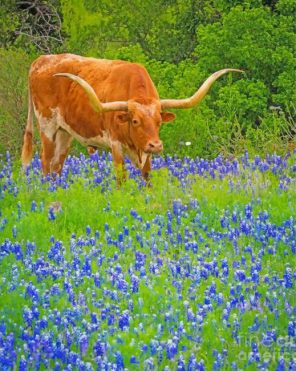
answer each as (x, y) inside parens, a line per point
(187, 143)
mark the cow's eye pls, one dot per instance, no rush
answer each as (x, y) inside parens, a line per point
(135, 122)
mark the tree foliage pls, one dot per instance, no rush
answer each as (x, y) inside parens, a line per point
(31, 25)
(259, 42)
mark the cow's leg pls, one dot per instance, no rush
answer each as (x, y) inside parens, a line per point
(47, 153)
(119, 164)
(62, 142)
(146, 170)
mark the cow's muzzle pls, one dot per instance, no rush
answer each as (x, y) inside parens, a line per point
(154, 146)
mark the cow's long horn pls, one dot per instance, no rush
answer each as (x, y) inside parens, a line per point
(97, 105)
(198, 96)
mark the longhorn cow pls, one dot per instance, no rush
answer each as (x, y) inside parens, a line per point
(101, 103)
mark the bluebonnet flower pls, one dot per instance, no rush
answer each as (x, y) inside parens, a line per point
(119, 361)
(123, 320)
(234, 366)
(31, 291)
(51, 214)
(181, 364)
(149, 364)
(88, 230)
(135, 283)
(99, 348)
(14, 231)
(33, 206)
(281, 365)
(23, 364)
(292, 328)
(254, 355)
(83, 343)
(134, 360)
(171, 349)
(288, 277)
(240, 274)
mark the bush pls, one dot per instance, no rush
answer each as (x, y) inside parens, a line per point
(14, 67)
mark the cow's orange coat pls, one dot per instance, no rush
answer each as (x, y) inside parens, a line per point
(112, 81)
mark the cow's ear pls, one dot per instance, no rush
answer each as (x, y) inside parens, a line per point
(123, 117)
(167, 116)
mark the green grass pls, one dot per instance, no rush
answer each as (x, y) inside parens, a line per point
(83, 205)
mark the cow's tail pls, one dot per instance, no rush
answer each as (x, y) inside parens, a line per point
(27, 150)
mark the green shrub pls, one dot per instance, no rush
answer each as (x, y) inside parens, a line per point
(274, 134)
(14, 67)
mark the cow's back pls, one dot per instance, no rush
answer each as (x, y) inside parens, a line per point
(111, 80)
(53, 62)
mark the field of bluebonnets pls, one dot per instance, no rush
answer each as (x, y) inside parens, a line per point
(196, 272)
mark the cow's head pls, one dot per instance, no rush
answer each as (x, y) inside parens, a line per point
(145, 117)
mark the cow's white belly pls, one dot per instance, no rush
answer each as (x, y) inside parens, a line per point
(49, 127)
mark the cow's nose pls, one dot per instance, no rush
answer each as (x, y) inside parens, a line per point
(155, 146)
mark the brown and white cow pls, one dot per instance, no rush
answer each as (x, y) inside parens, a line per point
(101, 103)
